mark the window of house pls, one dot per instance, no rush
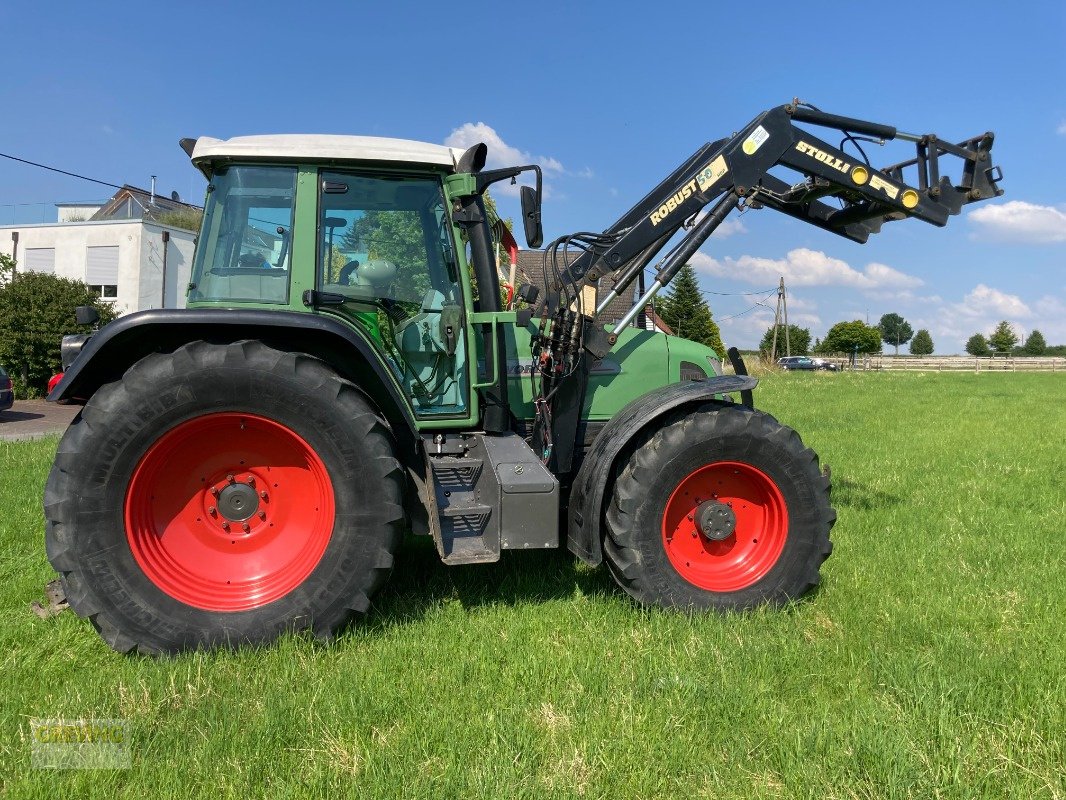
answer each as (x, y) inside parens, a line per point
(40, 259)
(101, 270)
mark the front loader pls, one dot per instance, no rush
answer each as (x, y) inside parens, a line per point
(346, 370)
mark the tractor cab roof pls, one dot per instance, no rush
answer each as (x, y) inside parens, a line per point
(321, 147)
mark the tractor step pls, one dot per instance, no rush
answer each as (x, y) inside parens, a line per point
(492, 493)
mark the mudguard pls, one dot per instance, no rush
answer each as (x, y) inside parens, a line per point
(586, 507)
(120, 344)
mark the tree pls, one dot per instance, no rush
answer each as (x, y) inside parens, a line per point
(36, 310)
(1035, 345)
(1003, 338)
(799, 340)
(895, 330)
(977, 345)
(685, 310)
(851, 338)
(922, 343)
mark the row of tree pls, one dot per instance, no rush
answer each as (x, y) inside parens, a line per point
(855, 337)
(858, 338)
(1004, 340)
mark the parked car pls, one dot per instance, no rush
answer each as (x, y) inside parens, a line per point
(796, 362)
(7, 393)
(805, 362)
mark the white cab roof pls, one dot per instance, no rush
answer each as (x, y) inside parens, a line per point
(319, 147)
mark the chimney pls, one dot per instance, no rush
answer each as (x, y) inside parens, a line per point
(152, 202)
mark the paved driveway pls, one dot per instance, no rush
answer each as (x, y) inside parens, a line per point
(34, 419)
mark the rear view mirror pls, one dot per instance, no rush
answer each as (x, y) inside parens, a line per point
(86, 315)
(531, 216)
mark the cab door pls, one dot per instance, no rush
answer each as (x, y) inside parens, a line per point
(387, 262)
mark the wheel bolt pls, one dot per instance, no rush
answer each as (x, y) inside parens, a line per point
(214, 491)
(212, 511)
(251, 480)
(225, 526)
(263, 494)
(262, 515)
(230, 479)
(246, 527)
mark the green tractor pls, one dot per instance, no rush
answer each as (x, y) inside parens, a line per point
(347, 370)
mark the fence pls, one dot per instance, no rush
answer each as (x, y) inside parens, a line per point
(964, 363)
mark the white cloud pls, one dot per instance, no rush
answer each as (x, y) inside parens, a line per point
(1061, 130)
(803, 267)
(981, 310)
(1019, 221)
(984, 301)
(500, 153)
(1050, 306)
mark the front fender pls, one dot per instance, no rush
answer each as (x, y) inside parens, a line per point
(586, 507)
(120, 344)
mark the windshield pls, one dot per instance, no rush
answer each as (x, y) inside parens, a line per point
(244, 252)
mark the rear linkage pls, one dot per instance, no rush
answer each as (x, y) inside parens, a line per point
(736, 171)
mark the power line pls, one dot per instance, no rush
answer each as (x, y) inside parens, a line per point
(741, 314)
(740, 294)
(60, 171)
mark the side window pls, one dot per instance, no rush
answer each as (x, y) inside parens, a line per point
(385, 246)
(247, 236)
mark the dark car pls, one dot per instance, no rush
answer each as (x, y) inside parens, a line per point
(805, 362)
(7, 394)
(797, 362)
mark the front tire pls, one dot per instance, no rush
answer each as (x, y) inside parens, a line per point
(718, 507)
(223, 494)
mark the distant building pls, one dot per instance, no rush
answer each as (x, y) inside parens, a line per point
(119, 248)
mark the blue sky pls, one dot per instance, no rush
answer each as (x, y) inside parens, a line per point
(608, 97)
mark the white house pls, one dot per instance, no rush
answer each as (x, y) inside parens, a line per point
(123, 260)
(120, 251)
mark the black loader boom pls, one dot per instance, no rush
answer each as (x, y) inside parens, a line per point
(841, 192)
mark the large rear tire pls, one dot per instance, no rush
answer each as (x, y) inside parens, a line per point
(719, 507)
(223, 494)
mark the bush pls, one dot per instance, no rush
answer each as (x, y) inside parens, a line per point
(36, 311)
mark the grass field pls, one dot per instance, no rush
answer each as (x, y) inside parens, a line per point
(931, 662)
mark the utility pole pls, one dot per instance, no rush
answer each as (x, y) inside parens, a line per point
(782, 301)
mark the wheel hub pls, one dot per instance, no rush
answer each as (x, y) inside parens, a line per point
(715, 520)
(238, 502)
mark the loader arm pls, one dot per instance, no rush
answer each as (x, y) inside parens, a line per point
(837, 191)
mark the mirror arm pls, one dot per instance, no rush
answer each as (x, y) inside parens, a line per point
(486, 179)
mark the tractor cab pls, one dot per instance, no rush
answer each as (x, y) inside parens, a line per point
(368, 241)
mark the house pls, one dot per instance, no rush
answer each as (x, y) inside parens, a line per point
(531, 270)
(122, 248)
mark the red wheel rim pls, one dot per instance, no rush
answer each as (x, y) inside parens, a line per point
(746, 555)
(228, 512)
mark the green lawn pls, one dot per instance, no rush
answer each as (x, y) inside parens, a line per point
(931, 663)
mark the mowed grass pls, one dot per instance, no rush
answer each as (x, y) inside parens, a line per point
(930, 663)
